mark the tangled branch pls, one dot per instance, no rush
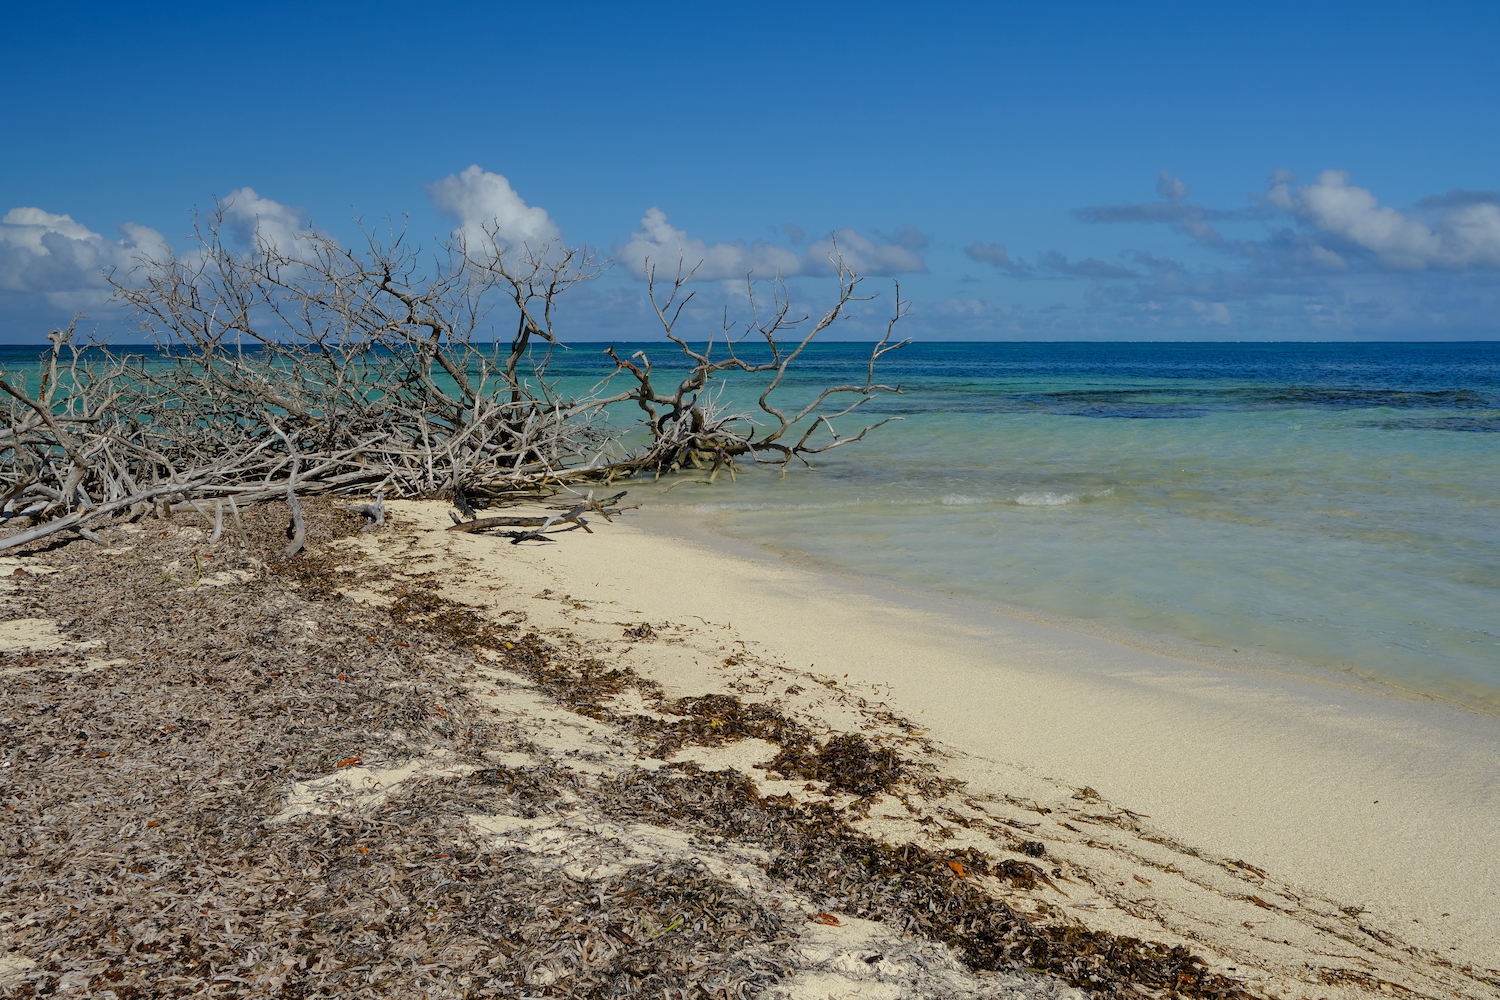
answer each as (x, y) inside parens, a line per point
(312, 368)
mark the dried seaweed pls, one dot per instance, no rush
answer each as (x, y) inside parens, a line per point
(139, 859)
(847, 763)
(817, 852)
(713, 720)
(582, 683)
(138, 852)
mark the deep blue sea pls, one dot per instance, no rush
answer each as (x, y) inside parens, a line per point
(1331, 506)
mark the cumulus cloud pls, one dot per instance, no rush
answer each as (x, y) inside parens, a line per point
(1171, 188)
(910, 237)
(864, 255)
(55, 260)
(1459, 198)
(1089, 267)
(1174, 209)
(661, 245)
(486, 207)
(1335, 225)
(1216, 313)
(1325, 258)
(1465, 232)
(263, 224)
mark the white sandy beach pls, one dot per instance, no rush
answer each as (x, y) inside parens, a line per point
(1370, 825)
(1381, 801)
(1304, 839)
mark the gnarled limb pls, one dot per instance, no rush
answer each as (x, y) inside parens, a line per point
(311, 368)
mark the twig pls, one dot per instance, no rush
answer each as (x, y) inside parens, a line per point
(297, 530)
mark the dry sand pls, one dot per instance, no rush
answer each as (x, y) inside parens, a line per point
(1272, 823)
(1386, 802)
(656, 735)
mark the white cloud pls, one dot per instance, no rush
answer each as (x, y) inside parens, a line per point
(485, 204)
(659, 244)
(62, 262)
(863, 255)
(1212, 312)
(1465, 235)
(263, 223)
(1171, 188)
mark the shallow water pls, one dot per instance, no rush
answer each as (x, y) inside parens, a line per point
(1332, 505)
(1336, 506)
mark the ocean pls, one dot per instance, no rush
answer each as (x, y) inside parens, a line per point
(1319, 508)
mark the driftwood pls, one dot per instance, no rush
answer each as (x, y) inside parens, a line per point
(503, 522)
(572, 515)
(309, 368)
(689, 426)
(297, 530)
(375, 512)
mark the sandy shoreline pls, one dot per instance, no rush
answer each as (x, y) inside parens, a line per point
(1375, 803)
(1393, 803)
(868, 793)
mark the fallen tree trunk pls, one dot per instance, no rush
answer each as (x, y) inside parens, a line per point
(312, 369)
(572, 515)
(75, 520)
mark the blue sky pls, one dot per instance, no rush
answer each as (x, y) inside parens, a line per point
(1028, 172)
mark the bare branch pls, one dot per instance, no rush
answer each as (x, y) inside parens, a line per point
(313, 368)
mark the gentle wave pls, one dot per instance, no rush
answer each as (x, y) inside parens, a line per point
(710, 508)
(1027, 498)
(1047, 499)
(1322, 509)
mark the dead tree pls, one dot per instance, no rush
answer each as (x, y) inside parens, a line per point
(689, 425)
(315, 369)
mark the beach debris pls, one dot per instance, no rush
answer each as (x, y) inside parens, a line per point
(296, 532)
(572, 514)
(539, 525)
(1246, 866)
(640, 633)
(374, 513)
(427, 405)
(847, 763)
(713, 720)
(529, 867)
(465, 508)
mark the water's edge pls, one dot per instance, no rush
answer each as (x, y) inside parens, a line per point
(1260, 669)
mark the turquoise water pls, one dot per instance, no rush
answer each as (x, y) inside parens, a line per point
(1335, 506)
(1330, 506)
